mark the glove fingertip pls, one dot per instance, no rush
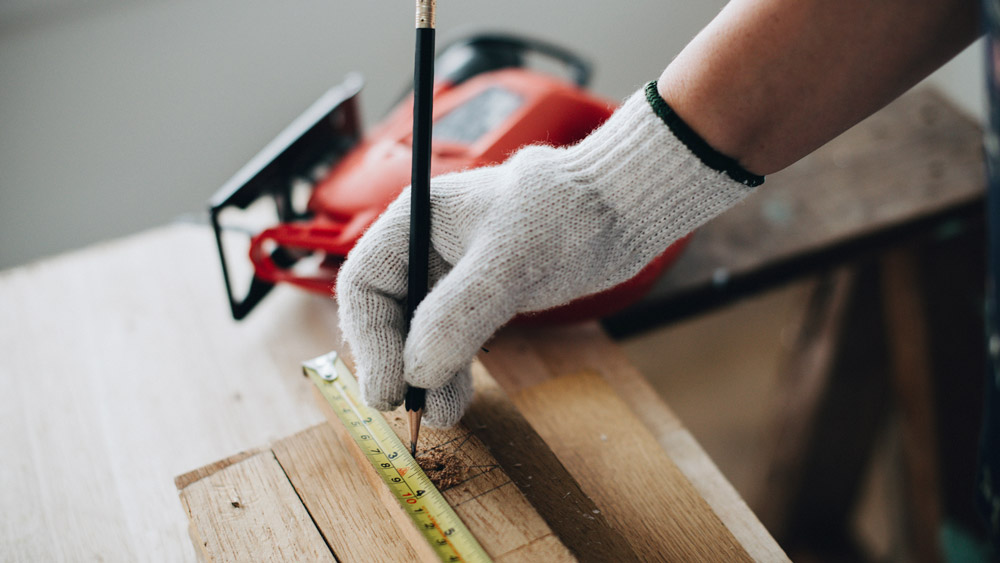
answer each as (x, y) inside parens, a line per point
(431, 361)
(385, 396)
(445, 405)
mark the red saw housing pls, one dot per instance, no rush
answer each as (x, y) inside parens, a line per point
(486, 106)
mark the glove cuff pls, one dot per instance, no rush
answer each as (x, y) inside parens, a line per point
(709, 156)
(657, 186)
(636, 129)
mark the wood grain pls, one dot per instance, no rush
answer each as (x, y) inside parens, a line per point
(520, 358)
(541, 476)
(486, 499)
(248, 511)
(352, 518)
(159, 364)
(123, 371)
(629, 476)
(182, 481)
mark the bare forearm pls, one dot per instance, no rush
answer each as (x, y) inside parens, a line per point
(769, 81)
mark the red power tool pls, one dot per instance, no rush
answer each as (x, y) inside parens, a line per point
(302, 203)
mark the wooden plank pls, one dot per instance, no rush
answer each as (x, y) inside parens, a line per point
(541, 476)
(182, 481)
(827, 419)
(234, 385)
(631, 478)
(805, 375)
(909, 351)
(248, 511)
(355, 523)
(484, 497)
(522, 357)
(376, 498)
(129, 376)
(656, 524)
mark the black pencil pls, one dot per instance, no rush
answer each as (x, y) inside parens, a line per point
(420, 190)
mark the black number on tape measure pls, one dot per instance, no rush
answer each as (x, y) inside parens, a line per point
(407, 495)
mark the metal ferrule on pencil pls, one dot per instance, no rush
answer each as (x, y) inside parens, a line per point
(425, 14)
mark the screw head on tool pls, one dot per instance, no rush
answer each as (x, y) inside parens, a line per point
(324, 366)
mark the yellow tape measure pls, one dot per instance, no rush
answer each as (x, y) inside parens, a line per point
(427, 507)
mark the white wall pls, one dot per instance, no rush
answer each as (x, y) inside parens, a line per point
(119, 115)
(963, 81)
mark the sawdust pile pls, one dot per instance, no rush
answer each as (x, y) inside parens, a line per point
(445, 470)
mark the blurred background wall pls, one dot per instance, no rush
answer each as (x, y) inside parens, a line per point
(120, 115)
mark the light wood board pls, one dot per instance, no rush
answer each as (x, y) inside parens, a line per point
(124, 371)
(514, 516)
(121, 370)
(487, 501)
(524, 358)
(261, 510)
(617, 479)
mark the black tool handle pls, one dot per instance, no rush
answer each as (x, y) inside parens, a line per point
(420, 188)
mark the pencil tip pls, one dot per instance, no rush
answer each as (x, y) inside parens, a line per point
(413, 448)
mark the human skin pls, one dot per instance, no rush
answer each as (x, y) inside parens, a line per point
(769, 81)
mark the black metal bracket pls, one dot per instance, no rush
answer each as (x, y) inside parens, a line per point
(318, 138)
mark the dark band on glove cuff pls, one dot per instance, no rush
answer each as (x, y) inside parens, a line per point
(711, 157)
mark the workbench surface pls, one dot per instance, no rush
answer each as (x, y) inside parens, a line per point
(123, 369)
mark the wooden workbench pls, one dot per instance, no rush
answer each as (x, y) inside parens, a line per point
(124, 370)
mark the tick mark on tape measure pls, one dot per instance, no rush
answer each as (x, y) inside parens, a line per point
(365, 428)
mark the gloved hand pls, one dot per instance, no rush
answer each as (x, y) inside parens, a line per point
(547, 226)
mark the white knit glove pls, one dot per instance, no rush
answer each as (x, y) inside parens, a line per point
(547, 226)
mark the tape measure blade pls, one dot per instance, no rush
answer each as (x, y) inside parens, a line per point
(432, 515)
